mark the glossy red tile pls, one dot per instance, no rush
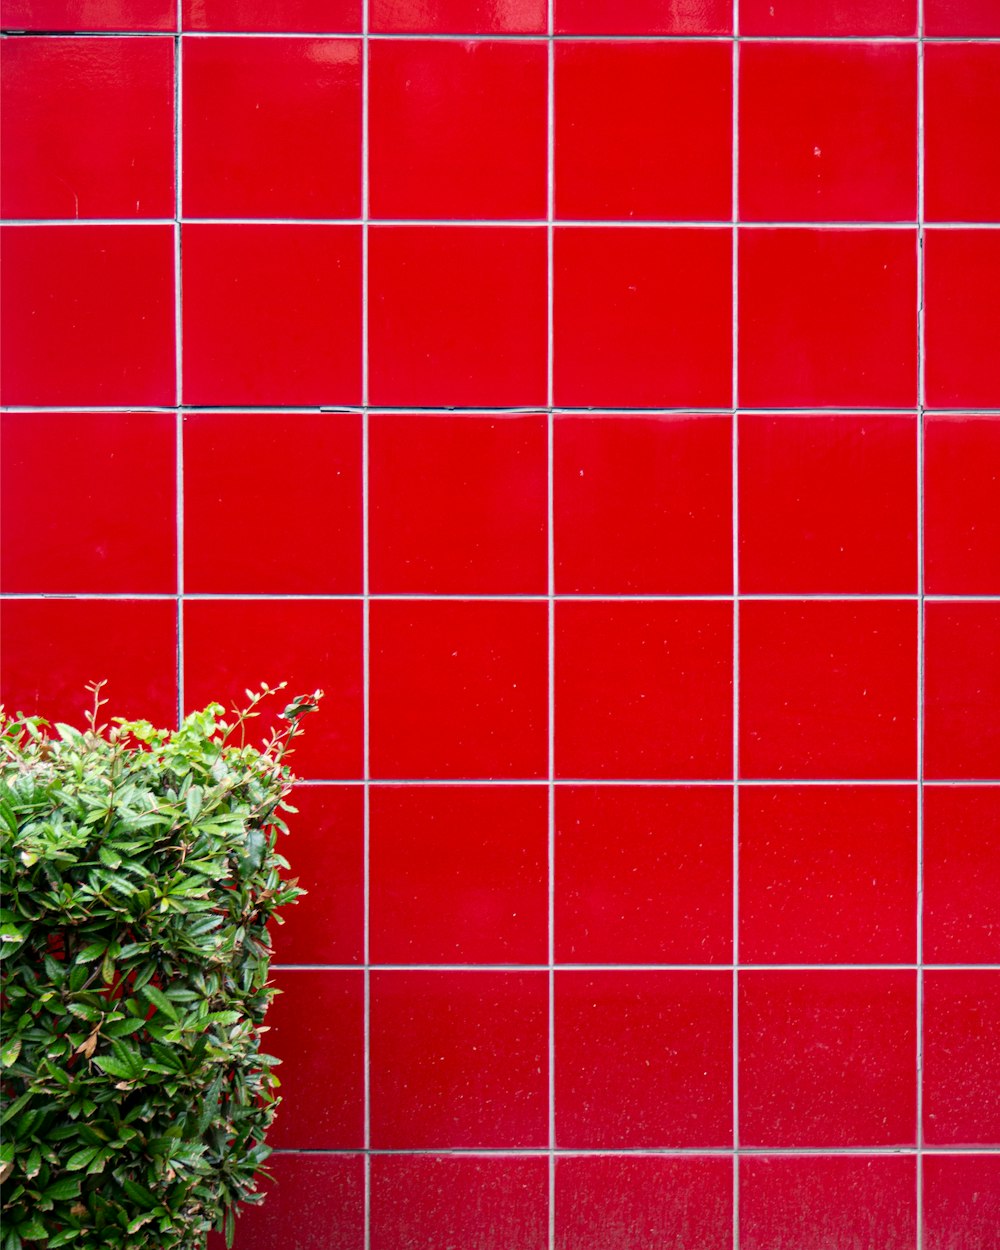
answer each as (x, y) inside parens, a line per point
(643, 505)
(828, 317)
(272, 314)
(820, 17)
(457, 504)
(272, 127)
(961, 1200)
(426, 1202)
(828, 874)
(962, 690)
(88, 313)
(643, 874)
(961, 17)
(643, 17)
(827, 1058)
(961, 916)
(826, 1200)
(961, 519)
(80, 15)
(53, 648)
(459, 1059)
(457, 316)
(962, 1058)
(317, 1031)
(458, 689)
(234, 644)
(237, 468)
(643, 1059)
(459, 874)
(643, 1200)
(828, 689)
(314, 1202)
(632, 143)
(643, 318)
(962, 301)
(330, 17)
(325, 848)
(828, 504)
(88, 128)
(828, 132)
(459, 17)
(961, 110)
(109, 523)
(458, 128)
(659, 702)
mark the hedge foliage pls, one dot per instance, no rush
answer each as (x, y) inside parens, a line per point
(139, 873)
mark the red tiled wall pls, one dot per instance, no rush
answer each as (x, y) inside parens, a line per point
(605, 411)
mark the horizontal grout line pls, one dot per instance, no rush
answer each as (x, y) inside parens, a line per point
(496, 223)
(639, 1152)
(816, 410)
(559, 966)
(431, 597)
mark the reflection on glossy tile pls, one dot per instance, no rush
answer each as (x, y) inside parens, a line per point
(328, 17)
(961, 517)
(962, 1058)
(962, 690)
(820, 17)
(643, 17)
(82, 15)
(962, 874)
(827, 1058)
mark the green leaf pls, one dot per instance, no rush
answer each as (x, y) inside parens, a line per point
(81, 1158)
(68, 1187)
(9, 1052)
(114, 1067)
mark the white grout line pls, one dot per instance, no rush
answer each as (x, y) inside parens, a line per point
(179, 358)
(550, 191)
(366, 619)
(272, 596)
(919, 433)
(736, 627)
(722, 967)
(496, 223)
(533, 410)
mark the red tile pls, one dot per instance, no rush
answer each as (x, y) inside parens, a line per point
(828, 317)
(329, 17)
(459, 874)
(644, 874)
(659, 702)
(426, 1202)
(458, 689)
(76, 15)
(961, 111)
(962, 690)
(234, 463)
(457, 504)
(315, 1201)
(272, 314)
(459, 1059)
(643, 17)
(643, 505)
(317, 1030)
(234, 644)
(961, 1200)
(961, 519)
(828, 690)
(962, 1058)
(643, 1059)
(644, 130)
(89, 315)
(828, 504)
(828, 874)
(961, 17)
(52, 649)
(457, 316)
(458, 128)
(325, 848)
(272, 127)
(824, 1200)
(962, 874)
(828, 132)
(820, 17)
(459, 17)
(643, 318)
(109, 524)
(643, 1200)
(827, 1058)
(88, 128)
(962, 299)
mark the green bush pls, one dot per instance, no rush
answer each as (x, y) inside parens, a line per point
(138, 875)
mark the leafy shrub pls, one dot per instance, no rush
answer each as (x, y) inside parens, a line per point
(138, 874)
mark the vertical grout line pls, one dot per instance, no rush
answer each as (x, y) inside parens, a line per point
(921, 402)
(365, 636)
(736, 632)
(550, 559)
(178, 43)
